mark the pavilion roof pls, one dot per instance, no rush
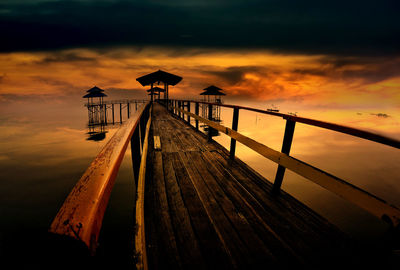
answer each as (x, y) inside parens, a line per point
(95, 89)
(212, 91)
(159, 76)
(94, 94)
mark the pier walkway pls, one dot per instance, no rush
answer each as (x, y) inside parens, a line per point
(203, 210)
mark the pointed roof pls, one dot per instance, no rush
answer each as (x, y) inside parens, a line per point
(94, 94)
(156, 89)
(159, 76)
(212, 91)
(95, 89)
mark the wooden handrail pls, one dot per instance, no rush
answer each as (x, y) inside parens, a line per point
(81, 215)
(140, 239)
(317, 123)
(351, 193)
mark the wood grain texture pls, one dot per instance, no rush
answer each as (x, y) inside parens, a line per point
(140, 237)
(225, 210)
(82, 213)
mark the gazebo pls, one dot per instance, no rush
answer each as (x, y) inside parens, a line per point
(155, 91)
(159, 77)
(96, 111)
(212, 94)
(212, 91)
(95, 92)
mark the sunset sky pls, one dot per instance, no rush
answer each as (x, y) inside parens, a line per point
(314, 54)
(332, 60)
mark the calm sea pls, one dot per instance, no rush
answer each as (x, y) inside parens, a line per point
(44, 149)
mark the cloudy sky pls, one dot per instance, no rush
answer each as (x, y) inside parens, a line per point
(319, 53)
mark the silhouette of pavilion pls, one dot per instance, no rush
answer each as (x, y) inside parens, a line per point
(212, 94)
(159, 77)
(95, 92)
(96, 113)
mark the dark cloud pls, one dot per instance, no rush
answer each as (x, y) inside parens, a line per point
(53, 82)
(367, 70)
(66, 57)
(314, 27)
(233, 75)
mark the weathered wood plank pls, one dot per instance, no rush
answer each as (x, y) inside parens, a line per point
(260, 254)
(166, 138)
(253, 211)
(203, 213)
(228, 236)
(215, 254)
(187, 242)
(296, 230)
(163, 249)
(157, 143)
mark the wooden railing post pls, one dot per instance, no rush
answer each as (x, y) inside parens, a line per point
(286, 145)
(127, 105)
(105, 114)
(210, 118)
(136, 152)
(142, 124)
(235, 121)
(179, 106)
(182, 108)
(120, 112)
(112, 108)
(188, 109)
(196, 111)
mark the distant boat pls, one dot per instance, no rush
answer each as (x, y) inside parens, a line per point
(272, 110)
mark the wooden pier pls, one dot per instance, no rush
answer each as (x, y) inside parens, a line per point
(200, 207)
(204, 211)
(111, 111)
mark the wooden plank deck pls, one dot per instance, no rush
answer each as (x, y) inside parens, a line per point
(204, 211)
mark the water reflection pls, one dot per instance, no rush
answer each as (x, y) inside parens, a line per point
(97, 132)
(102, 115)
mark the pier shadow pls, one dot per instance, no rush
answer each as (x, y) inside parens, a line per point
(97, 132)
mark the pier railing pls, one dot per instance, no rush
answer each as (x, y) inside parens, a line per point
(340, 187)
(81, 215)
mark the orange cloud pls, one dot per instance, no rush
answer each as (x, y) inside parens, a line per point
(261, 75)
